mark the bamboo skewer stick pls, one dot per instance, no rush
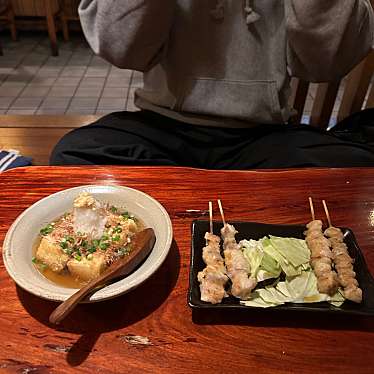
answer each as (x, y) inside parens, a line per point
(327, 212)
(312, 208)
(211, 217)
(221, 211)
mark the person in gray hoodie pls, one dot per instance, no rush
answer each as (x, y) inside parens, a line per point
(217, 81)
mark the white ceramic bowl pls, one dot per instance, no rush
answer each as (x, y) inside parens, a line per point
(17, 248)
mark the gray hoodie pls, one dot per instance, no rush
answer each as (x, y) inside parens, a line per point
(228, 62)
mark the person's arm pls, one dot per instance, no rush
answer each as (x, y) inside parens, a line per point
(327, 38)
(128, 33)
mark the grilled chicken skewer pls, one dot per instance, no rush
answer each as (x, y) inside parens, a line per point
(321, 256)
(213, 278)
(238, 268)
(342, 260)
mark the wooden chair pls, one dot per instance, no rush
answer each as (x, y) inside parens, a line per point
(7, 16)
(51, 10)
(356, 86)
(69, 12)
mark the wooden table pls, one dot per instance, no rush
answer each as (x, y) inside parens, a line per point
(97, 338)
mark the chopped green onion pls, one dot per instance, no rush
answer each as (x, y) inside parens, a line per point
(63, 245)
(95, 242)
(91, 249)
(123, 252)
(117, 229)
(126, 215)
(104, 246)
(70, 239)
(84, 243)
(105, 237)
(79, 233)
(46, 230)
(43, 267)
(78, 257)
(113, 209)
(34, 260)
(116, 238)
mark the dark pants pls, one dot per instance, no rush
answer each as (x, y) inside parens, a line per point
(146, 138)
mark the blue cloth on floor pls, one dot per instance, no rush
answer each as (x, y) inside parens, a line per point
(12, 159)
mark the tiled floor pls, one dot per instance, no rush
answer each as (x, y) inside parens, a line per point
(75, 82)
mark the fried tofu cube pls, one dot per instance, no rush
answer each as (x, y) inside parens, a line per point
(51, 255)
(86, 269)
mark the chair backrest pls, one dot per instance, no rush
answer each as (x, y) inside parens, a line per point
(71, 8)
(33, 8)
(3, 5)
(325, 103)
(328, 102)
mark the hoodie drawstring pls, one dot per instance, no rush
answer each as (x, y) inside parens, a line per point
(218, 12)
(251, 15)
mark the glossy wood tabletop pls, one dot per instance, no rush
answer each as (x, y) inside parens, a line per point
(100, 337)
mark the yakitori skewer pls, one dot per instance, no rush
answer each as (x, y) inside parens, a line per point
(321, 255)
(238, 268)
(213, 278)
(342, 261)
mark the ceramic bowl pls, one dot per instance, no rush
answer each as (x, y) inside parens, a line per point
(18, 243)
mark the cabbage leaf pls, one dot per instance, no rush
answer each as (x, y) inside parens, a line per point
(272, 256)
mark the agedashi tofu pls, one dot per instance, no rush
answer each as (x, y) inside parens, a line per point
(51, 255)
(84, 241)
(86, 269)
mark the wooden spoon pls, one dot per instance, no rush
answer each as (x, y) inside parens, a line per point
(142, 244)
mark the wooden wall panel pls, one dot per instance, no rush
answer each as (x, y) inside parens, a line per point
(35, 136)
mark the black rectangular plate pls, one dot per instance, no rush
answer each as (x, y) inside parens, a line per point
(253, 230)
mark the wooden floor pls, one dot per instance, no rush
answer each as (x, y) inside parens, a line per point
(35, 136)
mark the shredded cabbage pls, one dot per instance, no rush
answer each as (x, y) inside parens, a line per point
(283, 262)
(262, 265)
(254, 254)
(293, 250)
(272, 256)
